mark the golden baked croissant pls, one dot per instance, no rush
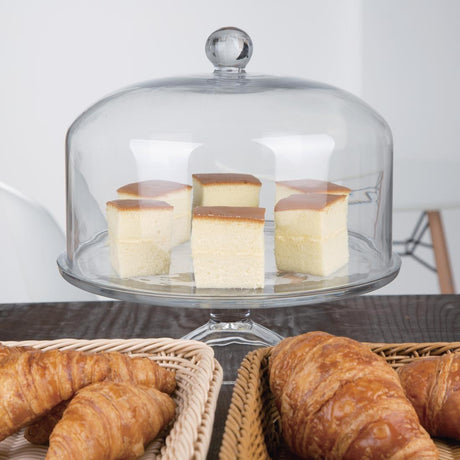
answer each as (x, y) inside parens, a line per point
(139, 370)
(121, 368)
(33, 382)
(432, 385)
(338, 400)
(8, 352)
(110, 421)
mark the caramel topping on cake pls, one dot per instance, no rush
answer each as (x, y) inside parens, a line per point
(229, 212)
(226, 178)
(152, 188)
(315, 201)
(315, 186)
(132, 205)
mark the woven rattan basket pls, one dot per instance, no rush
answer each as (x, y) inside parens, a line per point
(198, 377)
(253, 430)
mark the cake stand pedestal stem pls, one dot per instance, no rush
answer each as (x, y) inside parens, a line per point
(232, 334)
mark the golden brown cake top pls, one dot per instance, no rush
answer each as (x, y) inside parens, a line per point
(226, 178)
(315, 186)
(315, 201)
(134, 205)
(152, 188)
(230, 212)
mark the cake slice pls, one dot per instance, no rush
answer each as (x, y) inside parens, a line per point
(139, 237)
(291, 187)
(222, 189)
(228, 247)
(316, 215)
(311, 233)
(174, 193)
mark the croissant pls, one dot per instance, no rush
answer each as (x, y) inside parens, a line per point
(33, 382)
(110, 421)
(8, 352)
(141, 371)
(40, 431)
(338, 400)
(122, 368)
(432, 385)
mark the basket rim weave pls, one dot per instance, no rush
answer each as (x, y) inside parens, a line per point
(244, 436)
(198, 375)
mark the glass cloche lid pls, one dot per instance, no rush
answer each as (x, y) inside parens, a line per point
(229, 189)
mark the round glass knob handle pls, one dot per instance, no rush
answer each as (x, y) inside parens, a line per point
(229, 49)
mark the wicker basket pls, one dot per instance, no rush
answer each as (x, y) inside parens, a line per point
(253, 429)
(198, 376)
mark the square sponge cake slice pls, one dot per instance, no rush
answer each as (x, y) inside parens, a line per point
(226, 189)
(228, 247)
(139, 236)
(131, 258)
(140, 219)
(176, 194)
(302, 254)
(313, 215)
(311, 233)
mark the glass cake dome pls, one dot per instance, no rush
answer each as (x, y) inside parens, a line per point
(229, 189)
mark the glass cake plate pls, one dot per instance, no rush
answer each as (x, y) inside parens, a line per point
(92, 271)
(230, 329)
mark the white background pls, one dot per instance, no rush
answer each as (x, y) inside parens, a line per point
(57, 57)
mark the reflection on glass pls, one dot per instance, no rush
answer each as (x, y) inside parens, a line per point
(300, 155)
(166, 159)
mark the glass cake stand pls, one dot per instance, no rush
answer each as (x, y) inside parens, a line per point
(281, 130)
(230, 330)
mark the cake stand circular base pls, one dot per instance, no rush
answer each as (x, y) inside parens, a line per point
(232, 337)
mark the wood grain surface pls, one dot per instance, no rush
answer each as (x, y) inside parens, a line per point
(366, 318)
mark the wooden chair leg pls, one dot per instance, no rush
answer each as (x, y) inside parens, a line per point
(441, 254)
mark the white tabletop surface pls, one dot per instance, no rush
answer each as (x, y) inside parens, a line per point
(426, 184)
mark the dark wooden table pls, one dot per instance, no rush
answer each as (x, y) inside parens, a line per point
(368, 318)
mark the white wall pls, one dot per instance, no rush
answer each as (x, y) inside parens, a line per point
(57, 57)
(411, 75)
